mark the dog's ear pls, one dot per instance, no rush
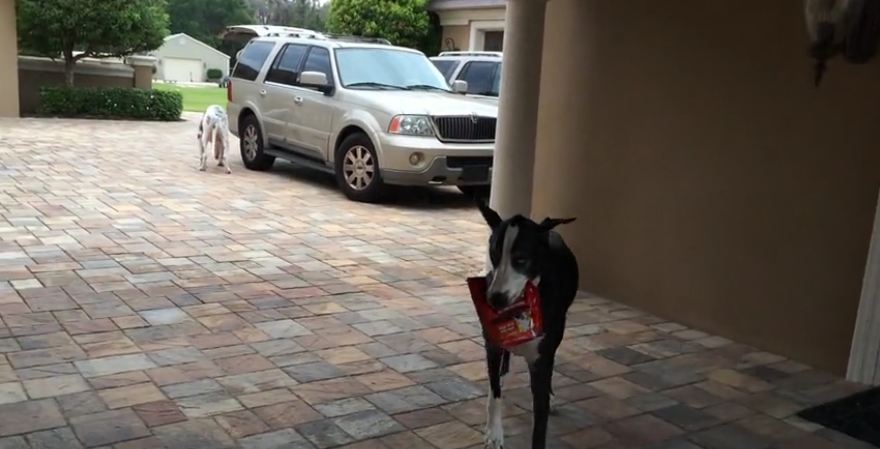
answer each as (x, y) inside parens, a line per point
(492, 218)
(550, 223)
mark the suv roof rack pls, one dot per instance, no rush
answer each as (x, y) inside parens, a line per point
(244, 33)
(295, 34)
(363, 39)
(494, 54)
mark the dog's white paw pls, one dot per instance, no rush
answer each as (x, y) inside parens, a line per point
(202, 168)
(494, 437)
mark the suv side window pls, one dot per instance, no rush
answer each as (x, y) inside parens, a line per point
(480, 76)
(252, 59)
(319, 61)
(285, 68)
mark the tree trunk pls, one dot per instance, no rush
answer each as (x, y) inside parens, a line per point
(69, 64)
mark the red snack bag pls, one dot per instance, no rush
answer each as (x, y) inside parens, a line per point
(514, 325)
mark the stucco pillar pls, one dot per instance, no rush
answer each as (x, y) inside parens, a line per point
(518, 108)
(143, 70)
(8, 60)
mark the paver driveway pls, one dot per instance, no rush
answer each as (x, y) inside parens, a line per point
(147, 305)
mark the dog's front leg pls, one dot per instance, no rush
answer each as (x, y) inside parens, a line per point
(495, 412)
(541, 375)
(224, 151)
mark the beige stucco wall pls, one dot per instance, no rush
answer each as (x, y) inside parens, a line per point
(457, 23)
(466, 15)
(460, 35)
(35, 73)
(713, 184)
(8, 60)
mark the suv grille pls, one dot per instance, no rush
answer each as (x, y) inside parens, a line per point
(465, 128)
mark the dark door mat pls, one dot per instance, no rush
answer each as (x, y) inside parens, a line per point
(857, 416)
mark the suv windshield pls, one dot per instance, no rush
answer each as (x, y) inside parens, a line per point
(446, 66)
(370, 68)
(483, 77)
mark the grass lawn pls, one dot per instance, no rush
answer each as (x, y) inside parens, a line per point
(197, 99)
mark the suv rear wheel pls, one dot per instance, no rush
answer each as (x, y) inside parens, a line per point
(251, 143)
(357, 169)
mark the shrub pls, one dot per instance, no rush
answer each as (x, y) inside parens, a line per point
(215, 74)
(111, 103)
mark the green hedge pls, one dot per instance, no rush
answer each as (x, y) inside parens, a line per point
(111, 103)
(215, 74)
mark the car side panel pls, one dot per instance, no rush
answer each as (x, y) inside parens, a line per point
(270, 99)
(313, 118)
(246, 95)
(364, 120)
(313, 121)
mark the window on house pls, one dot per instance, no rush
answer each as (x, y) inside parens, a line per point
(493, 41)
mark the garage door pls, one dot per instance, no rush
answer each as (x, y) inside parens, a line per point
(183, 70)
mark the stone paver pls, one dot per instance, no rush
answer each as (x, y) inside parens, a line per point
(30, 416)
(145, 305)
(108, 427)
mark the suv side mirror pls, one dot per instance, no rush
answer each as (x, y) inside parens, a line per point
(317, 80)
(460, 86)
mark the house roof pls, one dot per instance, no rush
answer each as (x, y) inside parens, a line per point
(173, 36)
(443, 5)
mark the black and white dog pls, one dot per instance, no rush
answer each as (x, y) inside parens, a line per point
(214, 131)
(522, 250)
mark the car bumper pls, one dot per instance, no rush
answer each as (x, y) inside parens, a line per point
(442, 163)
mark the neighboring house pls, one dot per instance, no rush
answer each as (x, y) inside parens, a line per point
(183, 58)
(474, 25)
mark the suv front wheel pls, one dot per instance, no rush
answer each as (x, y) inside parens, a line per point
(357, 169)
(251, 143)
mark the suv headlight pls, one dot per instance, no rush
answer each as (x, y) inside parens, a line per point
(411, 125)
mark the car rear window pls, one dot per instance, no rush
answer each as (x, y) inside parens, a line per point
(251, 60)
(445, 66)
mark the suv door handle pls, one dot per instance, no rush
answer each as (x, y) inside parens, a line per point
(298, 100)
(263, 92)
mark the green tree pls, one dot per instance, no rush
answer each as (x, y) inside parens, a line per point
(403, 22)
(309, 14)
(205, 20)
(77, 29)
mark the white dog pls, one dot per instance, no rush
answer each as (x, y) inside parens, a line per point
(214, 130)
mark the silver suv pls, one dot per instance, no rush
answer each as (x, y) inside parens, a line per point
(481, 70)
(371, 114)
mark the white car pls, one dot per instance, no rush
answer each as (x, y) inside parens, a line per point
(481, 70)
(371, 114)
